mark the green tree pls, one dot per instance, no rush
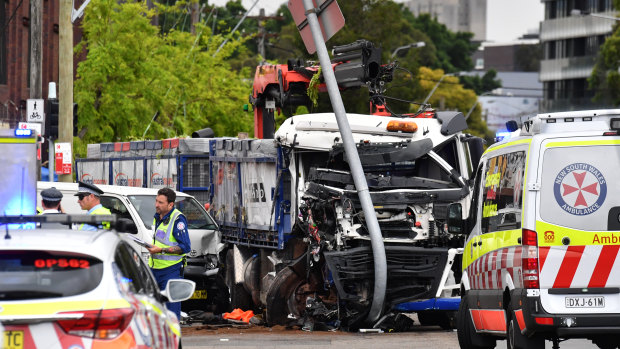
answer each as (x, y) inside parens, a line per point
(605, 77)
(136, 79)
(452, 95)
(480, 85)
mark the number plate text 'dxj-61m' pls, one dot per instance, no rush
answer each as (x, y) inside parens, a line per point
(585, 302)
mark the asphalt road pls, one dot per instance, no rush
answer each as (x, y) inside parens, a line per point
(261, 337)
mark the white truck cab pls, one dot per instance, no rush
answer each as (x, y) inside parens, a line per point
(541, 258)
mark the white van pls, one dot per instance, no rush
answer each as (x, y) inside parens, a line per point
(541, 261)
(138, 204)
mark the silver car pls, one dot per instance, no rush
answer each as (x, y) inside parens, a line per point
(84, 289)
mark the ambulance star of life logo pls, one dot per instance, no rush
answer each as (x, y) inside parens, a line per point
(580, 189)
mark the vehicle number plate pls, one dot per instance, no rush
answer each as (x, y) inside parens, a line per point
(13, 339)
(585, 302)
(199, 294)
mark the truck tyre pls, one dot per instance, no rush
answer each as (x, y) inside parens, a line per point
(280, 297)
(466, 333)
(239, 297)
(516, 340)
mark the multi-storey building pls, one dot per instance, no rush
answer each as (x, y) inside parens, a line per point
(571, 38)
(15, 55)
(457, 15)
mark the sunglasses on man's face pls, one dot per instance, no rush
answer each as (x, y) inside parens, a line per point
(82, 196)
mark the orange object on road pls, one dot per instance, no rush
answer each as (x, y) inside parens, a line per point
(238, 314)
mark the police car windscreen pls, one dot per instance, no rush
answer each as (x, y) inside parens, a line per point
(47, 274)
(578, 188)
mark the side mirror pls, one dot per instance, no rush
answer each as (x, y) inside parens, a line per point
(476, 148)
(178, 290)
(126, 225)
(455, 219)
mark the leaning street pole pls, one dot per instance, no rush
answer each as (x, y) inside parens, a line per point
(65, 79)
(376, 240)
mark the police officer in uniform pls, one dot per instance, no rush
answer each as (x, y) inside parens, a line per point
(89, 199)
(50, 200)
(170, 243)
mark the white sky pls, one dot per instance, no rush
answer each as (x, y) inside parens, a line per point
(507, 20)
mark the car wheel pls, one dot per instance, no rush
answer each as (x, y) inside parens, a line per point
(466, 333)
(516, 340)
(239, 297)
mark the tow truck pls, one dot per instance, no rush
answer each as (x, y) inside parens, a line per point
(298, 245)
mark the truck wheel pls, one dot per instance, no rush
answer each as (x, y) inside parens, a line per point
(516, 340)
(466, 333)
(239, 297)
(281, 297)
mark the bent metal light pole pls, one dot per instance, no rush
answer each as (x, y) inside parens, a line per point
(376, 240)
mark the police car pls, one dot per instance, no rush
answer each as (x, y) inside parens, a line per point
(138, 204)
(64, 288)
(541, 259)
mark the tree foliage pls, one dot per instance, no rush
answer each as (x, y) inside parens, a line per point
(605, 77)
(451, 95)
(480, 85)
(136, 81)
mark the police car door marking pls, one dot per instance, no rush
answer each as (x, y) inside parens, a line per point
(580, 189)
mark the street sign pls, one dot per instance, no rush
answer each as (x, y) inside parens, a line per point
(34, 110)
(32, 126)
(63, 158)
(329, 15)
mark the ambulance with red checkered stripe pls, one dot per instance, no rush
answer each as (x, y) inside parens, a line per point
(541, 260)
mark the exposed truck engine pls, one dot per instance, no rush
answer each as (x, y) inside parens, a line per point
(299, 245)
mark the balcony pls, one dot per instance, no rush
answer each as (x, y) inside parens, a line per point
(566, 68)
(576, 27)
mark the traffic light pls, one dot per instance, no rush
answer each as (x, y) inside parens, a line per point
(51, 120)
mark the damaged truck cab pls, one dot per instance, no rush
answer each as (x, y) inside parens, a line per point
(298, 243)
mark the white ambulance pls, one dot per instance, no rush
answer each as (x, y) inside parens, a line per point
(541, 259)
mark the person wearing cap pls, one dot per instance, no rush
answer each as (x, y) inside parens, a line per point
(50, 200)
(89, 200)
(170, 243)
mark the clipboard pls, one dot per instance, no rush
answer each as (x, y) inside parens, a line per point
(140, 242)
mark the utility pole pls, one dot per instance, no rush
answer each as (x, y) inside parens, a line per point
(262, 32)
(65, 79)
(36, 49)
(195, 15)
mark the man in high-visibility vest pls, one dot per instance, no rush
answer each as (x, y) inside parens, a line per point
(89, 199)
(170, 243)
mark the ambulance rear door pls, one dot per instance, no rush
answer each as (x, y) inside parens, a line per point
(578, 225)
